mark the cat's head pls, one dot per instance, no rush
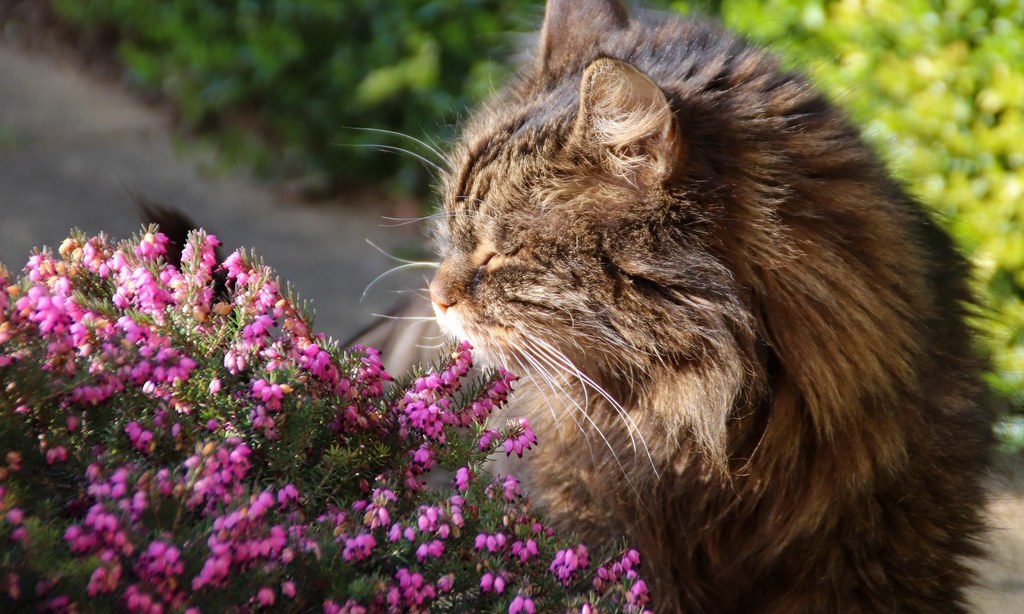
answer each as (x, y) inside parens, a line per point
(567, 242)
(621, 210)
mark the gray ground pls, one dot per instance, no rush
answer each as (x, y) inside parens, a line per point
(71, 148)
(71, 145)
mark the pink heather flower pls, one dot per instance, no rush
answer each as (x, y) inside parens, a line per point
(521, 438)
(234, 265)
(413, 590)
(488, 437)
(521, 604)
(510, 488)
(568, 561)
(152, 246)
(200, 265)
(288, 588)
(140, 438)
(429, 518)
(215, 385)
(57, 454)
(234, 361)
(266, 596)
(462, 478)
(15, 515)
(638, 594)
(359, 547)
(431, 549)
(525, 550)
(445, 583)
(491, 543)
(492, 583)
(104, 580)
(287, 494)
(424, 457)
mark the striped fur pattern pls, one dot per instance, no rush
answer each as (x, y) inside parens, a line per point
(745, 343)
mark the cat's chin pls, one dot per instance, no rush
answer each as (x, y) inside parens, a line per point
(451, 325)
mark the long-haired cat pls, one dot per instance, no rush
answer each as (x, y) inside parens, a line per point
(746, 342)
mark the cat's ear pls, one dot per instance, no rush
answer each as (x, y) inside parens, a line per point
(627, 117)
(571, 25)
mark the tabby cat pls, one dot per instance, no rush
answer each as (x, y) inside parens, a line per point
(745, 342)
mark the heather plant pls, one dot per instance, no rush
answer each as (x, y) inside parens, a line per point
(169, 443)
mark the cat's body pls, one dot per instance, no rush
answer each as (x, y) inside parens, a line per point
(746, 343)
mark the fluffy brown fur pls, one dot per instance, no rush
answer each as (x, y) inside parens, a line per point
(746, 342)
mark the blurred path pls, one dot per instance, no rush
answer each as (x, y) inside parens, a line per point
(70, 147)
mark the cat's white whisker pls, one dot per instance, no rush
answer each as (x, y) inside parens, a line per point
(528, 373)
(431, 148)
(430, 347)
(401, 267)
(558, 391)
(582, 409)
(432, 263)
(411, 318)
(394, 149)
(405, 221)
(631, 426)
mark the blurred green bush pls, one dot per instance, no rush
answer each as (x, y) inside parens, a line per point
(938, 87)
(280, 82)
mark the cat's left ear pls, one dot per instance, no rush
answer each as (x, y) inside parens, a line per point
(627, 117)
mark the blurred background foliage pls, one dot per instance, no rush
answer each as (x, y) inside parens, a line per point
(936, 85)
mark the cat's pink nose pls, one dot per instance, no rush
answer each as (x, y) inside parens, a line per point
(437, 294)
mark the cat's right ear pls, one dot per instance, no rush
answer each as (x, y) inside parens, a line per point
(571, 25)
(627, 118)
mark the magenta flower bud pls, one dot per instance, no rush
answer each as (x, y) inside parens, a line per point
(462, 478)
(487, 582)
(266, 596)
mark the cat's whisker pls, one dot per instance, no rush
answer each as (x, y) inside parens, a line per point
(528, 373)
(380, 249)
(625, 474)
(411, 318)
(401, 267)
(631, 426)
(405, 221)
(431, 148)
(555, 387)
(393, 149)
(430, 347)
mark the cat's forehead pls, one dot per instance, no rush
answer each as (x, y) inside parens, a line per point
(497, 166)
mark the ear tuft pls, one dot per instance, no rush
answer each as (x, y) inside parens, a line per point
(572, 25)
(625, 113)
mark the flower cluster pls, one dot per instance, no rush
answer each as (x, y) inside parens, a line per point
(179, 439)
